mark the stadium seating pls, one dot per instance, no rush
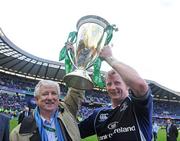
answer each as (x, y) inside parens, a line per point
(16, 92)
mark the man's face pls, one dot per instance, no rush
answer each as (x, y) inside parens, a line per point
(48, 99)
(168, 121)
(116, 87)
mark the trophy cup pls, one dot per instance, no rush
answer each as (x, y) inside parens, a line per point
(92, 34)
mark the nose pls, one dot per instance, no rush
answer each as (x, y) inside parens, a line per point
(50, 96)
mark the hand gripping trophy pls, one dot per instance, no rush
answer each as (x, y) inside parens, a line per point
(93, 33)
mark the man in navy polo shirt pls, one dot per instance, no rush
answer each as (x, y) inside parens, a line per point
(129, 118)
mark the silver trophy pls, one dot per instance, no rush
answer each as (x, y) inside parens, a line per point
(91, 37)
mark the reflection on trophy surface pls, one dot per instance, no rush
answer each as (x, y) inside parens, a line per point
(89, 44)
(91, 38)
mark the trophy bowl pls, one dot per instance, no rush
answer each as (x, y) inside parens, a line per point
(91, 37)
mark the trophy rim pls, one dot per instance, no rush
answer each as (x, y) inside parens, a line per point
(79, 79)
(92, 19)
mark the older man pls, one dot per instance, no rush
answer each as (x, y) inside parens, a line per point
(52, 120)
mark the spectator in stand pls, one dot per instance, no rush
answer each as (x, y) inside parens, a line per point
(129, 118)
(4, 128)
(25, 113)
(53, 120)
(171, 131)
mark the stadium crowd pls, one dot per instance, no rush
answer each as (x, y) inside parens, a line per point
(17, 92)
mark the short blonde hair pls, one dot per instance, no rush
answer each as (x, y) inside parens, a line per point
(110, 73)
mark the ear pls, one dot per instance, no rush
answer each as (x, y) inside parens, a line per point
(128, 88)
(36, 99)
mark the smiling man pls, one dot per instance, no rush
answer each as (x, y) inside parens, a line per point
(52, 120)
(129, 118)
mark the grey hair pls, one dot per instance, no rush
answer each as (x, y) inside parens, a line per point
(46, 83)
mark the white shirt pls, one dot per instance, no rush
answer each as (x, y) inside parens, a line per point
(155, 127)
(51, 125)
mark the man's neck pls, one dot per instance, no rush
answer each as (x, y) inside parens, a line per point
(47, 115)
(116, 103)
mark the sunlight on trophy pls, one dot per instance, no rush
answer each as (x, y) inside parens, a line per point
(92, 34)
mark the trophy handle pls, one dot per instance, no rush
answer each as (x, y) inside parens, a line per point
(72, 38)
(109, 30)
(69, 53)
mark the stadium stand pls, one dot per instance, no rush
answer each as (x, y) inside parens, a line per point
(20, 71)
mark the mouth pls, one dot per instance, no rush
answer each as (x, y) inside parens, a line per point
(49, 103)
(117, 92)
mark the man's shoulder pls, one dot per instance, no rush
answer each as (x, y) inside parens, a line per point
(4, 117)
(147, 96)
(28, 125)
(174, 126)
(103, 109)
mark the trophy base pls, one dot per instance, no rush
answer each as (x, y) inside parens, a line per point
(78, 79)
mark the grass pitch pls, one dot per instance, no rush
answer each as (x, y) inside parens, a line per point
(161, 133)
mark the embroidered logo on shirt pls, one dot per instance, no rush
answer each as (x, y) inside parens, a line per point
(120, 130)
(123, 107)
(103, 117)
(113, 125)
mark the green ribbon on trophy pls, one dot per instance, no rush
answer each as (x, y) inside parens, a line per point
(97, 79)
(64, 55)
